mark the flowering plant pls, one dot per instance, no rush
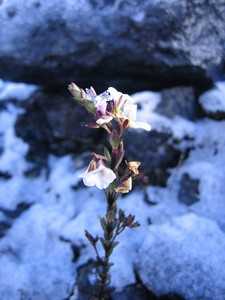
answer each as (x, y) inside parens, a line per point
(115, 112)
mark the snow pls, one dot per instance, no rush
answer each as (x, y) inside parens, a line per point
(31, 253)
(214, 100)
(178, 248)
(184, 256)
(19, 91)
(13, 148)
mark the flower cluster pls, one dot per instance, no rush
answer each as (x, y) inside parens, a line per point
(107, 107)
(115, 112)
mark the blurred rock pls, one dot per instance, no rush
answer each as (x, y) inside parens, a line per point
(4, 226)
(154, 150)
(184, 256)
(134, 292)
(180, 101)
(54, 123)
(188, 191)
(132, 45)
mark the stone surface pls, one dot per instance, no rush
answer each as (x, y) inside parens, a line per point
(184, 256)
(189, 190)
(155, 152)
(180, 101)
(53, 122)
(130, 45)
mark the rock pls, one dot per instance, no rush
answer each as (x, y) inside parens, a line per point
(154, 151)
(4, 226)
(130, 45)
(134, 292)
(188, 191)
(213, 102)
(86, 288)
(180, 101)
(184, 256)
(54, 123)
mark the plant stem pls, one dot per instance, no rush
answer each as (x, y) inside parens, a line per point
(108, 240)
(104, 278)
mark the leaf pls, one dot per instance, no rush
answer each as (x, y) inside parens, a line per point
(89, 105)
(103, 243)
(114, 225)
(107, 154)
(114, 139)
(114, 244)
(103, 223)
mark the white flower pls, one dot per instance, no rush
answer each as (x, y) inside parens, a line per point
(130, 113)
(126, 109)
(122, 107)
(115, 95)
(101, 176)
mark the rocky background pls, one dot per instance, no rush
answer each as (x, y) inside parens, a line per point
(171, 56)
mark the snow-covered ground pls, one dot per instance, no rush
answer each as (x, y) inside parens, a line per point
(181, 251)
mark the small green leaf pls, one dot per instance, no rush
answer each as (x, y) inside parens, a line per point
(77, 92)
(107, 155)
(110, 216)
(114, 139)
(114, 244)
(114, 225)
(103, 243)
(89, 105)
(103, 223)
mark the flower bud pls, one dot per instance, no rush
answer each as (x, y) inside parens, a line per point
(77, 93)
(126, 124)
(121, 215)
(129, 220)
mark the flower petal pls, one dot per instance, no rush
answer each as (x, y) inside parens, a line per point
(104, 120)
(115, 95)
(143, 125)
(130, 111)
(101, 177)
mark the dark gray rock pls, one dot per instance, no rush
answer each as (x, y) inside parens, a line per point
(131, 45)
(10, 216)
(54, 123)
(189, 190)
(88, 290)
(180, 101)
(4, 226)
(134, 292)
(154, 150)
